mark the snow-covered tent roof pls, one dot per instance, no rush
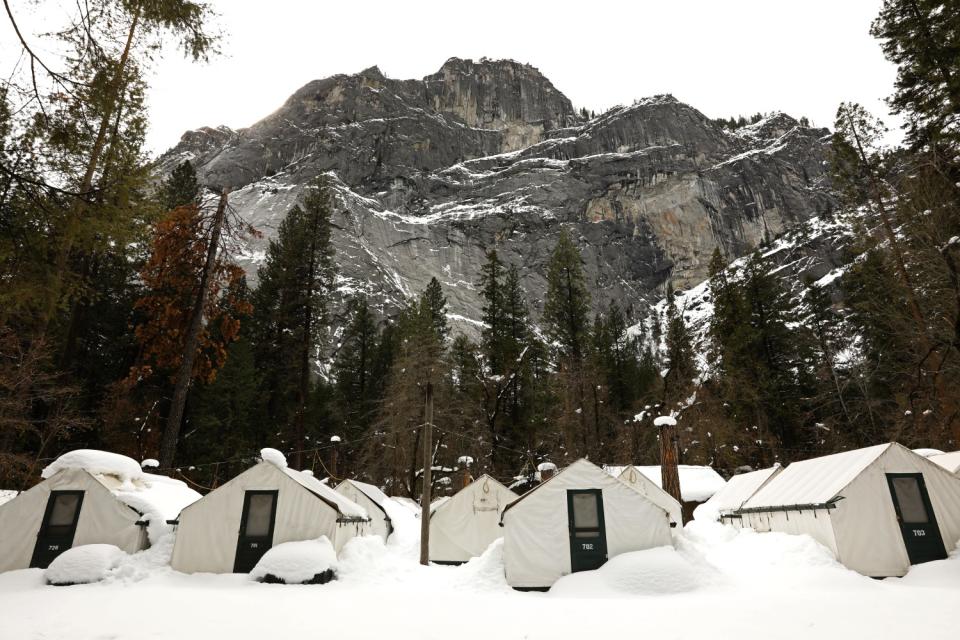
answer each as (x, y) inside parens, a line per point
(949, 461)
(816, 481)
(737, 490)
(347, 507)
(344, 505)
(6, 495)
(697, 483)
(928, 453)
(409, 503)
(156, 497)
(373, 492)
(661, 498)
(439, 502)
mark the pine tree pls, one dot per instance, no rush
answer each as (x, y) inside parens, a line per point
(568, 329)
(358, 382)
(922, 38)
(679, 361)
(567, 301)
(291, 305)
(434, 304)
(181, 188)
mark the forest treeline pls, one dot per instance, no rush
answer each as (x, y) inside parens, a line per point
(126, 324)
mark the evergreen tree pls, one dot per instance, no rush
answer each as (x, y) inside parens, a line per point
(922, 38)
(181, 188)
(568, 300)
(434, 304)
(291, 303)
(567, 328)
(679, 362)
(358, 381)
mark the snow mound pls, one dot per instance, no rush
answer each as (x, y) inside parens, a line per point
(84, 564)
(748, 557)
(151, 463)
(274, 457)
(97, 463)
(665, 421)
(300, 562)
(485, 572)
(159, 499)
(658, 571)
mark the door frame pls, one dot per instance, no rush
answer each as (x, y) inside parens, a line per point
(45, 523)
(572, 528)
(927, 504)
(241, 534)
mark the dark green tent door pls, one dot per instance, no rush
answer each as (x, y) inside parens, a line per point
(256, 529)
(588, 536)
(58, 527)
(918, 524)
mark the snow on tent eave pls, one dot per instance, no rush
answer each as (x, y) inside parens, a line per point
(949, 461)
(816, 481)
(740, 488)
(344, 505)
(376, 495)
(698, 483)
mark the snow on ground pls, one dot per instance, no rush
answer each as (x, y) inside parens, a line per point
(718, 583)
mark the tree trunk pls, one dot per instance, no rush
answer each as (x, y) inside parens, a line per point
(54, 291)
(168, 444)
(669, 472)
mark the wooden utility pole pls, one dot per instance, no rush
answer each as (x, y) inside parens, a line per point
(168, 444)
(425, 496)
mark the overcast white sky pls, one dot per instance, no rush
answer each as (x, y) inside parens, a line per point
(725, 57)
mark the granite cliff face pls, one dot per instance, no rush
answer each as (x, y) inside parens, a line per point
(432, 173)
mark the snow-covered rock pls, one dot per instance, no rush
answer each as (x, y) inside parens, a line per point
(299, 562)
(84, 564)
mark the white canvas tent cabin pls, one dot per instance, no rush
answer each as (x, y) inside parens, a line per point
(698, 483)
(949, 461)
(878, 509)
(632, 476)
(375, 501)
(734, 494)
(88, 497)
(575, 521)
(463, 526)
(230, 528)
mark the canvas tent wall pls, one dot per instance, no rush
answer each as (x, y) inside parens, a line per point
(698, 483)
(88, 497)
(632, 476)
(375, 501)
(465, 525)
(878, 509)
(213, 536)
(577, 520)
(949, 461)
(734, 494)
